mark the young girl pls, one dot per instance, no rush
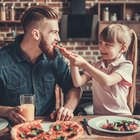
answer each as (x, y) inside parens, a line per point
(114, 76)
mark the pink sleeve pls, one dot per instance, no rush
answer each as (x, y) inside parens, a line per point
(125, 70)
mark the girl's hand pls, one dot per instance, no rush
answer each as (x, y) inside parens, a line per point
(75, 60)
(64, 51)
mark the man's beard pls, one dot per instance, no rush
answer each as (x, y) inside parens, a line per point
(43, 46)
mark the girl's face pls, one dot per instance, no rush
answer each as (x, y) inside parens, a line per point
(109, 51)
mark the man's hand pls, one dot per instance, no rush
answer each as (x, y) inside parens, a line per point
(62, 114)
(15, 115)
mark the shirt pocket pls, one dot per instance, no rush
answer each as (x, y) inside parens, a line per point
(49, 85)
(13, 90)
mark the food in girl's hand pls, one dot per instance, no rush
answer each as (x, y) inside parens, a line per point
(121, 125)
(60, 47)
(64, 51)
(60, 130)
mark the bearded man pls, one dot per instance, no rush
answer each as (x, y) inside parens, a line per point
(32, 65)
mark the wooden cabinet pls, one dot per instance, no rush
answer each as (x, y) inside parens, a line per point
(10, 20)
(126, 13)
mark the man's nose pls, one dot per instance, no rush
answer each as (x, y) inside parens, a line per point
(58, 37)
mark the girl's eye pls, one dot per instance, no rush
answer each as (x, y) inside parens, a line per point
(108, 45)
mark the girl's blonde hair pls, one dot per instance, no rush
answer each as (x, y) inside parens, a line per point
(118, 33)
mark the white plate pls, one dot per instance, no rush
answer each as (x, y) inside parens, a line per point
(46, 126)
(3, 123)
(97, 123)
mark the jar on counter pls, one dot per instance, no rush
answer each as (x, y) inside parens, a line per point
(113, 17)
(106, 14)
(3, 12)
(136, 17)
(128, 17)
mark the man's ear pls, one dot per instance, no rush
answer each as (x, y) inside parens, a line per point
(36, 34)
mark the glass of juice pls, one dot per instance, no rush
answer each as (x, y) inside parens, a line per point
(27, 103)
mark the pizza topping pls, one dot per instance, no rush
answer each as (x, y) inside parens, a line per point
(122, 125)
(57, 127)
(38, 130)
(69, 129)
(22, 135)
(72, 134)
(32, 133)
(61, 138)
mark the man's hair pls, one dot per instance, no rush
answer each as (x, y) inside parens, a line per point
(37, 14)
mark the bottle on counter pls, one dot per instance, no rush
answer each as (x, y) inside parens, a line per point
(106, 14)
(3, 12)
(113, 17)
(136, 17)
(12, 12)
(28, 5)
(128, 17)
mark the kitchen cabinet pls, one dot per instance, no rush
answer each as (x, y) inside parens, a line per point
(124, 12)
(10, 14)
(127, 13)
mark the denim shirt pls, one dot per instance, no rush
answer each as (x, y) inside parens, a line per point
(19, 76)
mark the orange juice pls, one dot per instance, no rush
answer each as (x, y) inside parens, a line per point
(28, 111)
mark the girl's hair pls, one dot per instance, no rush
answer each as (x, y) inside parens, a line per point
(118, 33)
(37, 14)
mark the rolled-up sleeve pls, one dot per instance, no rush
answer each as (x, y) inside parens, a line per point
(125, 70)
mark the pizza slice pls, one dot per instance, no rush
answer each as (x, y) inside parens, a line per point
(28, 130)
(68, 130)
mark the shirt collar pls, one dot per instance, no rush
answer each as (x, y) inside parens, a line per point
(115, 63)
(118, 61)
(16, 47)
(18, 52)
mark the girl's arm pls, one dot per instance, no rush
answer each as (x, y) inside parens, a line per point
(101, 77)
(78, 79)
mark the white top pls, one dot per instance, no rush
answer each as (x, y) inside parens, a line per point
(109, 100)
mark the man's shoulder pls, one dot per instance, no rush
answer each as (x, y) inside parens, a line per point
(5, 55)
(4, 50)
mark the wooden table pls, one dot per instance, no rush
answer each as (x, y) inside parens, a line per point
(96, 135)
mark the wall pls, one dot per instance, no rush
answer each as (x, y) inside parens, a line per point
(86, 49)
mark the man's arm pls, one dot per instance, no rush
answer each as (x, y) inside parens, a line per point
(71, 101)
(72, 98)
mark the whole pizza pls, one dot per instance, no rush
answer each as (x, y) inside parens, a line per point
(60, 130)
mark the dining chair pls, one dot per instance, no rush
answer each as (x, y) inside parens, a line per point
(59, 97)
